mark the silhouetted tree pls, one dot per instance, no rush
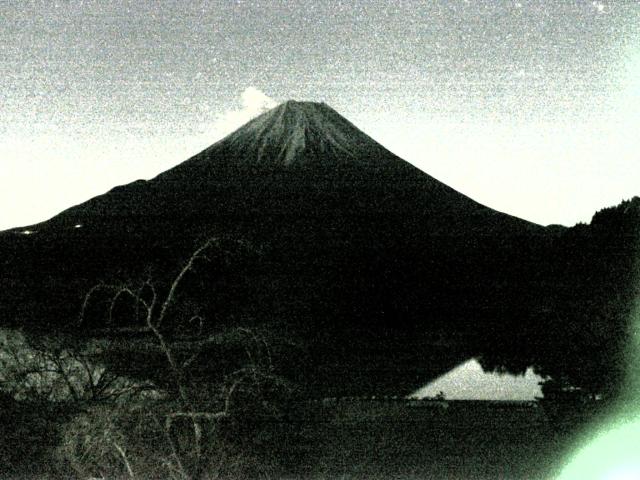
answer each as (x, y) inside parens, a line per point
(591, 286)
(192, 418)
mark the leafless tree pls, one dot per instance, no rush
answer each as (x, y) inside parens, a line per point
(43, 371)
(184, 456)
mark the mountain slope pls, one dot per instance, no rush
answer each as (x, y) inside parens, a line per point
(299, 133)
(284, 157)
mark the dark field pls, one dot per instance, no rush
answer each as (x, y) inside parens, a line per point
(452, 440)
(345, 439)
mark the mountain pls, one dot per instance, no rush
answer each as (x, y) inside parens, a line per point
(295, 134)
(368, 274)
(280, 154)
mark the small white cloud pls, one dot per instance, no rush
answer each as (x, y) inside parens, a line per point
(254, 102)
(600, 7)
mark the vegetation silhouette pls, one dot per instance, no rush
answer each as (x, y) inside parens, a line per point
(188, 427)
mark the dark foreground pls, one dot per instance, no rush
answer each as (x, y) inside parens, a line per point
(368, 439)
(427, 440)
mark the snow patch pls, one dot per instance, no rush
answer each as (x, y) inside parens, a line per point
(284, 135)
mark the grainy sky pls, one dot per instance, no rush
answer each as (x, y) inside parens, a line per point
(531, 107)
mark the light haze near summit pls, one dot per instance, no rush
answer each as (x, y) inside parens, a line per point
(530, 107)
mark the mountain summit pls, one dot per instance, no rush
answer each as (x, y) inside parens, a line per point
(296, 134)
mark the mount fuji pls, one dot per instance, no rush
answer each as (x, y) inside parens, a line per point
(370, 274)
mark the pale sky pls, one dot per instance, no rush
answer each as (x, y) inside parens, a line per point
(530, 107)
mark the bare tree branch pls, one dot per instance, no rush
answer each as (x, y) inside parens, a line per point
(125, 460)
(181, 351)
(178, 280)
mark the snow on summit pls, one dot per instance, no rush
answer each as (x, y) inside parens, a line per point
(297, 131)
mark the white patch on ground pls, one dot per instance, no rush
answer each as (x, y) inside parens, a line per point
(469, 382)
